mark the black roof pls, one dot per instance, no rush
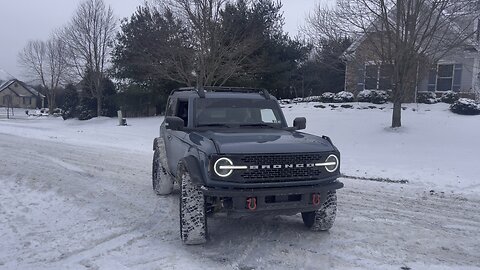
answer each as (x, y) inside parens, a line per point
(213, 91)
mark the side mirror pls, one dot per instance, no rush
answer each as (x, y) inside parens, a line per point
(174, 123)
(300, 123)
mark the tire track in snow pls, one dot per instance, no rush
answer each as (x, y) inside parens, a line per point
(118, 221)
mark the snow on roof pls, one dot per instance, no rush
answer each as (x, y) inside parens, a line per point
(29, 88)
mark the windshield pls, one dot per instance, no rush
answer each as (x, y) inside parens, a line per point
(237, 112)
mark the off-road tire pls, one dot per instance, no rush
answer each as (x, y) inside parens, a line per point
(323, 218)
(193, 219)
(162, 183)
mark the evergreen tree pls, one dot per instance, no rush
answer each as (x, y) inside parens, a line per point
(70, 102)
(87, 107)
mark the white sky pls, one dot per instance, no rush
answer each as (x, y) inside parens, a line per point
(23, 20)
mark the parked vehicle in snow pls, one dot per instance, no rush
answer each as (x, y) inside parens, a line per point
(231, 151)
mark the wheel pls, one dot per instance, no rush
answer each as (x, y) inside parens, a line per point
(322, 219)
(193, 219)
(162, 182)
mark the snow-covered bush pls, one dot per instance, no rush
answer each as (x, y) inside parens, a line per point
(57, 112)
(449, 97)
(373, 96)
(297, 100)
(343, 96)
(327, 97)
(465, 106)
(285, 101)
(364, 96)
(312, 99)
(427, 97)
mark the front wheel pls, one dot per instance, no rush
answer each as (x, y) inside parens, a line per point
(193, 220)
(322, 219)
(162, 182)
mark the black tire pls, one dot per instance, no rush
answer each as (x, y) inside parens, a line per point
(193, 219)
(323, 218)
(162, 183)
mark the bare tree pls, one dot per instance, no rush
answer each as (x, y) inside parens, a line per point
(219, 53)
(45, 63)
(88, 38)
(408, 35)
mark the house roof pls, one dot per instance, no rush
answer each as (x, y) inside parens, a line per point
(30, 89)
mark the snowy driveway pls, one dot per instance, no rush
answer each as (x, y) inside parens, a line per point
(72, 206)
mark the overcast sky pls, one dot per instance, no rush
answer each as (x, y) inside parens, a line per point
(24, 20)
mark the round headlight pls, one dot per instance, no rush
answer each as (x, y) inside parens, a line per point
(332, 162)
(223, 162)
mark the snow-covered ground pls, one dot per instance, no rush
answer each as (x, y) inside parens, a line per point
(77, 195)
(435, 148)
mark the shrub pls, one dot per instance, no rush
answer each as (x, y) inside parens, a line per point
(327, 97)
(465, 106)
(297, 100)
(343, 96)
(373, 96)
(365, 96)
(449, 97)
(312, 99)
(426, 97)
(285, 101)
(380, 97)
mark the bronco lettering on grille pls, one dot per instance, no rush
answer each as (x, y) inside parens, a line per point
(278, 166)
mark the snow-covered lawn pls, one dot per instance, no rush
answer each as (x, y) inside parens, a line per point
(77, 195)
(434, 149)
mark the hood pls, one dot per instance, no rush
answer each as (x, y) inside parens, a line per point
(251, 141)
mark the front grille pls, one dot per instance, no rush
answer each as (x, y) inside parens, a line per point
(281, 174)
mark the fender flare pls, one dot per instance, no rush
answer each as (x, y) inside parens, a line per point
(155, 143)
(193, 167)
(159, 144)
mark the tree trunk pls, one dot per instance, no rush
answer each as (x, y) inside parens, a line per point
(99, 104)
(51, 102)
(397, 114)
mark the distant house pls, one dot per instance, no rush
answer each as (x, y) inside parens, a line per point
(17, 94)
(458, 71)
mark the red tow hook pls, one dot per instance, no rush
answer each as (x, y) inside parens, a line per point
(316, 199)
(252, 203)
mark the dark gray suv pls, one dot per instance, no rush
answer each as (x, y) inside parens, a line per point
(230, 150)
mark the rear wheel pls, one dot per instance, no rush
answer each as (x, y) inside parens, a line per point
(193, 219)
(322, 219)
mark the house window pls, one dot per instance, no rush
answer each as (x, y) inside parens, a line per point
(7, 100)
(446, 77)
(378, 77)
(27, 100)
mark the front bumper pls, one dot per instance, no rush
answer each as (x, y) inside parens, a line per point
(284, 199)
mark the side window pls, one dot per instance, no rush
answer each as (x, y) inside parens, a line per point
(182, 110)
(170, 106)
(268, 116)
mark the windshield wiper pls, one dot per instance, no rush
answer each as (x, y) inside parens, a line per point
(214, 125)
(260, 125)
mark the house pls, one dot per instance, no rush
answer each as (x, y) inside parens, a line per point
(17, 94)
(457, 71)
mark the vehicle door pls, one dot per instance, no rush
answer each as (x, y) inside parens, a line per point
(175, 144)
